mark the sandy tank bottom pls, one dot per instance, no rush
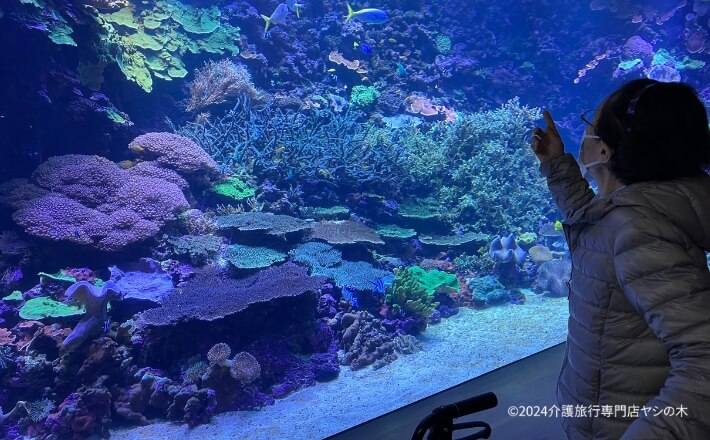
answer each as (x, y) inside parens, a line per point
(464, 346)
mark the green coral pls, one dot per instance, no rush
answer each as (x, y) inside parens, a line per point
(60, 276)
(482, 171)
(395, 231)
(527, 239)
(630, 64)
(55, 24)
(234, 188)
(363, 96)
(420, 209)
(15, 296)
(251, 257)
(443, 43)
(195, 20)
(413, 290)
(150, 43)
(45, 307)
(663, 57)
(330, 213)
(455, 240)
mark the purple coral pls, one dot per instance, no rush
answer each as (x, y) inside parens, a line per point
(86, 179)
(174, 152)
(209, 296)
(90, 201)
(153, 169)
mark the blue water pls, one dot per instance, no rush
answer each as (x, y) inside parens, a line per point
(201, 218)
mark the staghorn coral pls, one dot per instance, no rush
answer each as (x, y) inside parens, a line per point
(290, 147)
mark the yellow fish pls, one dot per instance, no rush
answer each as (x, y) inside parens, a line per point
(331, 70)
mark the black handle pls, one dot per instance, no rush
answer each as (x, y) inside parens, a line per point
(440, 421)
(469, 406)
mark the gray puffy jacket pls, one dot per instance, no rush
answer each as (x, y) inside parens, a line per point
(639, 300)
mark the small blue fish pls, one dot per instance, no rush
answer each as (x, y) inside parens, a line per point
(401, 70)
(279, 16)
(368, 15)
(366, 48)
(106, 325)
(350, 296)
(294, 6)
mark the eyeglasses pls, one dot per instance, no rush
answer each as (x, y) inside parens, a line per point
(587, 116)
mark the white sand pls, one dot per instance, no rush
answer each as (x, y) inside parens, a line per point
(464, 346)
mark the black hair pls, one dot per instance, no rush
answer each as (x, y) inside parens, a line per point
(657, 131)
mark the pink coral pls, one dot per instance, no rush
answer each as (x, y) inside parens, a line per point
(174, 152)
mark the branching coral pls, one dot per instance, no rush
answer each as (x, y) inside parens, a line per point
(218, 82)
(289, 147)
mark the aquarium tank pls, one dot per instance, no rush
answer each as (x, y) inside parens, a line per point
(246, 219)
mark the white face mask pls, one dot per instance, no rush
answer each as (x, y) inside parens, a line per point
(584, 167)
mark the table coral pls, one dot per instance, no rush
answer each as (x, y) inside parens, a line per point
(344, 232)
(272, 224)
(252, 257)
(209, 296)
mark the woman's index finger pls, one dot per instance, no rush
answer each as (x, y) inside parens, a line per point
(550, 122)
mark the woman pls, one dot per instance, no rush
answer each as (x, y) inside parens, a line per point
(637, 364)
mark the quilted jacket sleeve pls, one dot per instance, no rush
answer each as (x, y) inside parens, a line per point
(569, 189)
(672, 292)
